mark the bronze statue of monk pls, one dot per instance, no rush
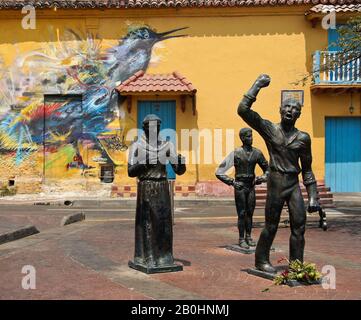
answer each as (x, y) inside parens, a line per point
(148, 157)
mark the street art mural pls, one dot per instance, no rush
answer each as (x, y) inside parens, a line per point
(78, 123)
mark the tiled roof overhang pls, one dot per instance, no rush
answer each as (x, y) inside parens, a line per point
(141, 82)
(325, 9)
(343, 12)
(114, 4)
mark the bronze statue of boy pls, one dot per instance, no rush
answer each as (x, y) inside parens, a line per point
(286, 146)
(244, 160)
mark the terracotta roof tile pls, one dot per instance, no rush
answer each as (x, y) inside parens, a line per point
(322, 8)
(141, 82)
(90, 4)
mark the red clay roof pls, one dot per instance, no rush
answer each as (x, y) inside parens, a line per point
(102, 4)
(142, 82)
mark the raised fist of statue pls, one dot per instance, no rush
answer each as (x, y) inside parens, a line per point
(263, 81)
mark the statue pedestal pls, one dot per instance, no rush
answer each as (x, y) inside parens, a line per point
(150, 270)
(262, 274)
(272, 276)
(237, 248)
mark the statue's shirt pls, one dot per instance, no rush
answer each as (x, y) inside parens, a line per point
(285, 150)
(244, 164)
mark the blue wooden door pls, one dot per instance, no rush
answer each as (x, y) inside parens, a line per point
(343, 154)
(166, 111)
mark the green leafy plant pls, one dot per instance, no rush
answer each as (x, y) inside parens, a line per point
(304, 272)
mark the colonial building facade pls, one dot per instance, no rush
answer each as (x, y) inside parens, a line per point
(77, 78)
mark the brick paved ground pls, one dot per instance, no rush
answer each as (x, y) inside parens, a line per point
(88, 260)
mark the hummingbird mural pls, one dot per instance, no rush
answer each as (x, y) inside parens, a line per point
(78, 68)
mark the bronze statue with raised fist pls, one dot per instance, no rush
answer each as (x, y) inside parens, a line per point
(287, 146)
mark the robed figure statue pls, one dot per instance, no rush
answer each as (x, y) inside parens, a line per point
(148, 158)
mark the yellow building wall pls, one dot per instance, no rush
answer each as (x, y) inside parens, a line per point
(224, 52)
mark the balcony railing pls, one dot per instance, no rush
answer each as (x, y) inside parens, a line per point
(333, 67)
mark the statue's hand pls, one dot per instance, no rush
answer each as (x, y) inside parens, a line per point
(181, 159)
(260, 180)
(313, 206)
(238, 185)
(263, 81)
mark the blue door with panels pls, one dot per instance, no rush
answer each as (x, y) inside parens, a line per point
(166, 111)
(343, 154)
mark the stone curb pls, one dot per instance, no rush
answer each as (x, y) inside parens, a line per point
(18, 234)
(72, 218)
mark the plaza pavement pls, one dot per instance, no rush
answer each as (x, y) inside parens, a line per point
(88, 260)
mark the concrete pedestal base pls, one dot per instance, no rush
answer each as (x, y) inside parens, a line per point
(150, 270)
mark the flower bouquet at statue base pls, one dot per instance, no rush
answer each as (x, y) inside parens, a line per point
(303, 273)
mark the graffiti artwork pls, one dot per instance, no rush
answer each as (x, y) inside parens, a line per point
(115, 143)
(58, 107)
